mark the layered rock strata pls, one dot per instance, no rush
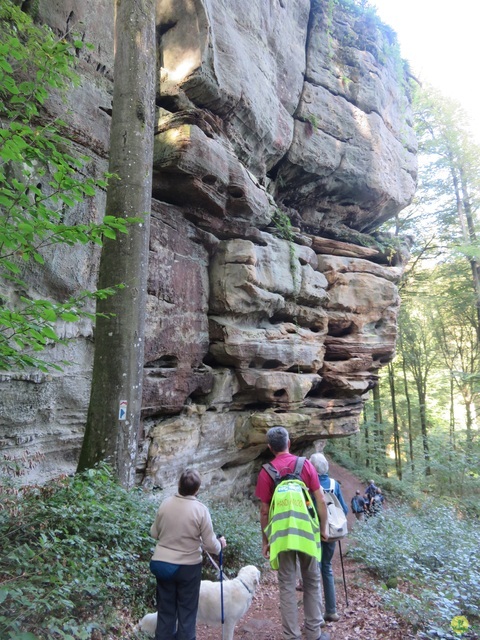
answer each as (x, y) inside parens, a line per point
(284, 139)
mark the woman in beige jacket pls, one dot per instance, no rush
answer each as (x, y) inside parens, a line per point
(182, 528)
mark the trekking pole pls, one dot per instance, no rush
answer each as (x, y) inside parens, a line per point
(343, 572)
(220, 562)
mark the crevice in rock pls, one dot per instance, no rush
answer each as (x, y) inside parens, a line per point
(256, 406)
(164, 362)
(340, 328)
(273, 172)
(323, 390)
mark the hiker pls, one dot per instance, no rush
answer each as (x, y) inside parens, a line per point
(358, 505)
(320, 463)
(369, 495)
(285, 559)
(370, 490)
(376, 503)
(182, 527)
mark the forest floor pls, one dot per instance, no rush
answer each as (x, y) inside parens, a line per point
(363, 618)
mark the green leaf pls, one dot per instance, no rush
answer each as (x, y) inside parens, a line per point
(5, 65)
(49, 314)
(109, 233)
(10, 266)
(48, 332)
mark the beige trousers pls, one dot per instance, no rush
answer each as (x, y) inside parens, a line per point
(312, 599)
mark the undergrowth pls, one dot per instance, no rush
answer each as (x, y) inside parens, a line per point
(76, 551)
(428, 557)
(241, 528)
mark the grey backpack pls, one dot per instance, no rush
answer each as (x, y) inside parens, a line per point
(337, 520)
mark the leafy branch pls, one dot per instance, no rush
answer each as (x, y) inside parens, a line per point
(41, 181)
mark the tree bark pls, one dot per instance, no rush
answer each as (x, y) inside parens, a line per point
(396, 431)
(422, 402)
(378, 435)
(409, 411)
(367, 441)
(116, 395)
(452, 418)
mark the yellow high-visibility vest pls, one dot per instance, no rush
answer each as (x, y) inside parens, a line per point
(292, 522)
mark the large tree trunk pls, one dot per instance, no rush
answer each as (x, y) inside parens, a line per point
(116, 395)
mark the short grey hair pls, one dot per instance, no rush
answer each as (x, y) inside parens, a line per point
(320, 463)
(277, 438)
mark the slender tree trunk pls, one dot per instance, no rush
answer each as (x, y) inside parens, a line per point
(422, 402)
(116, 395)
(409, 416)
(367, 441)
(396, 431)
(452, 418)
(469, 421)
(350, 448)
(379, 459)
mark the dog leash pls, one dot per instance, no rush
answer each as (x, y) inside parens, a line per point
(218, 569)
(212, 561)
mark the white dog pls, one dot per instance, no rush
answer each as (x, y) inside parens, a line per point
(237, 598)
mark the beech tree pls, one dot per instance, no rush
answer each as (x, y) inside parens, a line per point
(450, 174)
(116, 395)
(396, 430)
(456, 331)
(419, 357)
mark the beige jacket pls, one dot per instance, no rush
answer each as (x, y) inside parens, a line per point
(182, 528)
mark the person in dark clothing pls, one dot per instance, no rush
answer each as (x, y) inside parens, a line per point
(370, 490)
(358, 505)
(369, 496)
(376, 503)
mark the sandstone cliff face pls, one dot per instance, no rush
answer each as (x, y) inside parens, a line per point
(298, 108)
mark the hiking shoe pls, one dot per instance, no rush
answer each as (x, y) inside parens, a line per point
(324, 636)
(332, 617)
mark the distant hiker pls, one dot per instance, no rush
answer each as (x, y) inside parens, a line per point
(376, 503)
(370, 490)
(358, 505)
(295, 535)
(320, 463)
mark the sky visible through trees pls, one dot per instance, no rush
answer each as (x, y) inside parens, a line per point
(441, 44)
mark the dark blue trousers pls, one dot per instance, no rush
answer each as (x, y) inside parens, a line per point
(177, 604)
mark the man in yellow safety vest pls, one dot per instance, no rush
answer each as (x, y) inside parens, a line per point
(290, 534)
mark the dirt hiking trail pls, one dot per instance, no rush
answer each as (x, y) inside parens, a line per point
(362, 619)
